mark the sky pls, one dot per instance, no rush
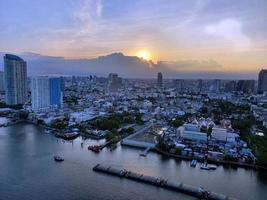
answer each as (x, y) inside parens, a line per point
(224, 36)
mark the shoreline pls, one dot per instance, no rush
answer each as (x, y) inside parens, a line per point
(213, 161)
(225, 163)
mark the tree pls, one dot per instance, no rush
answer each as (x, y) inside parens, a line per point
(177, 123)
(209, 131)
(203, 129)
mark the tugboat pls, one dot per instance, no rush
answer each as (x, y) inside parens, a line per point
(58, 159)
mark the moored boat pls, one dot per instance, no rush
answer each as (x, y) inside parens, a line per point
(67, 136)
(193, 163)
(58, 159)
(212, 167)
(205, 166)
(95, 148)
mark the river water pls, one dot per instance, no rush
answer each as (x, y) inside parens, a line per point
(28, 171)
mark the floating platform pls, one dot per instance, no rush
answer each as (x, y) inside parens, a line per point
(198, 192)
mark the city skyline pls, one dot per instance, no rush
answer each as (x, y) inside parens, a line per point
(191, 36)
(143, 99)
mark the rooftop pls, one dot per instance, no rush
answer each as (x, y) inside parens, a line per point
(13, 57)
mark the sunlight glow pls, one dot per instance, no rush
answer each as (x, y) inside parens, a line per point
(144, 54)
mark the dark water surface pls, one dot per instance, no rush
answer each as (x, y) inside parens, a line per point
(28, 171)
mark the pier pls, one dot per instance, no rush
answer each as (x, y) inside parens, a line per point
(197, 192)
(145, 152)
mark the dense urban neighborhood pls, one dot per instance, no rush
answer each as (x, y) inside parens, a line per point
(222, 121)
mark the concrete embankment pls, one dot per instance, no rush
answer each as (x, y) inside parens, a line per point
(130, 141)
(160, 182)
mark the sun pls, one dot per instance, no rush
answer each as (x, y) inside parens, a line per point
(144, 54)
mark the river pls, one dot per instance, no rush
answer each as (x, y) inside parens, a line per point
(28, 171)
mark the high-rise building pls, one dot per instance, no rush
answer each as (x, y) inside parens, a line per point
(114, 82)
(230, 86)
(262, 82)
(62, 85)
(200, 85)
(56, 94)
(246, 86)
(15, 74)
(46, 92)
(180, 85)
(215, 86)
(160, 79)
(2, 85)
(40, 92)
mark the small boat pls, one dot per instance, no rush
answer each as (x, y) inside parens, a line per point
(205, 166)
(58, 159)
(67, 136)
(212, 167)
(95, 148)
(193, 163)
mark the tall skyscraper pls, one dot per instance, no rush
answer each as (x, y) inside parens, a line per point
(215, 86)
(160, 79)
(230, 86)
(46, 92)
(2, 85)
(262, 81)
(56, 94)
(246, 86)
(200, 85)
(114, 82)
(15, 73)
(40, 92)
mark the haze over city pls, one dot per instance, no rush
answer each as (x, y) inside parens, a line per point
(202, 38)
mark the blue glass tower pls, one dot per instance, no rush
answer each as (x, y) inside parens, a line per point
(55, 92)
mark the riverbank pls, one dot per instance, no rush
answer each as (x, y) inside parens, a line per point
(213, 161)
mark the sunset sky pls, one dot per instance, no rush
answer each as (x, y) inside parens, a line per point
(229, 33)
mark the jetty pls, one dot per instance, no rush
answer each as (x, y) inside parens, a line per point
(145, 152)
(197, 192)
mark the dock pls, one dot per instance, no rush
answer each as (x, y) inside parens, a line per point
(197, 192)
(145, 152)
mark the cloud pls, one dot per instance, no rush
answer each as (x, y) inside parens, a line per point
(126, 66)
(86, 15)
(231, 30)
(191, 65)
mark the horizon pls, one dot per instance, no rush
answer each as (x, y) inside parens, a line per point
(48, 62)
